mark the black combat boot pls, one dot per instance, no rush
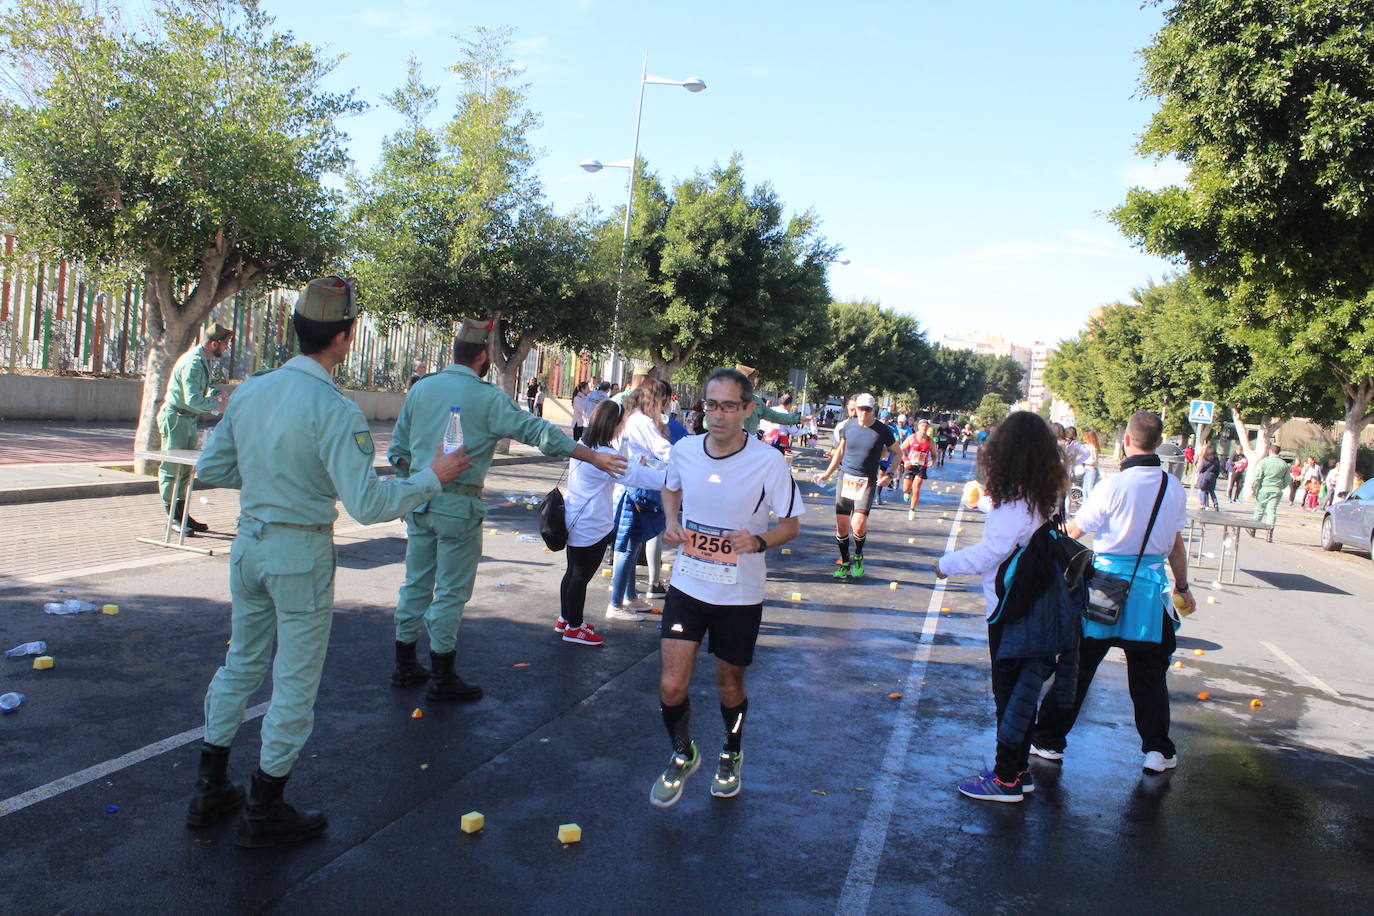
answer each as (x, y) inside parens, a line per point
(409, 672)
(444, 684)
(216, 797)
(191, 524)
(269, 821)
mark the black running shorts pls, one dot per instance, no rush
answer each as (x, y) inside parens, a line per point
(912, 472)
(844, 506)
(734, 628)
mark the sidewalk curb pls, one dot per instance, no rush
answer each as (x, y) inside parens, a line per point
(58, 492)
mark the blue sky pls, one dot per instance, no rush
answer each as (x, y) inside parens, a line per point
(962, 153)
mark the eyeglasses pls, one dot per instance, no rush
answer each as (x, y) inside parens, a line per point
(723, 406)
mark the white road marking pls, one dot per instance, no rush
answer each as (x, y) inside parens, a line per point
(81, 777)
(1301, 671)
(868, 849)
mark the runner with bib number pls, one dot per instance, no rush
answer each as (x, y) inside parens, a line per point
(858, 452)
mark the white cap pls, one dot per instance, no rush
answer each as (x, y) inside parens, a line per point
(866, 400)
(901, 418)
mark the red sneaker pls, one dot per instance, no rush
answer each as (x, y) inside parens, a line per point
(585, 634)
(561, 626)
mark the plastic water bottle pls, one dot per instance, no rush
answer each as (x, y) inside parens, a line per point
(28, 648)
(528, 539)
(70, 606)
(453, 433)
(10, 702)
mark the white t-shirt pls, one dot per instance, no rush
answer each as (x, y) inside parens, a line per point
(1008, 527)
(1118, 511)
(588, 505)
(640, 436)
(721, 495)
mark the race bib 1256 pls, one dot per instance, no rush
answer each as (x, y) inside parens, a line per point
(707, 554)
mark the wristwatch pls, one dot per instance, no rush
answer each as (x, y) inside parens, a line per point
(763, 545)
(1181, 588)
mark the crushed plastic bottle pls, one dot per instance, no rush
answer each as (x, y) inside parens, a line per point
(28, 648)
(10, 702)
(528, 539)
(453, 433)
(70, 606)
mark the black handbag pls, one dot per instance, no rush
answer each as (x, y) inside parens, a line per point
(553, 519)
(1107, 593)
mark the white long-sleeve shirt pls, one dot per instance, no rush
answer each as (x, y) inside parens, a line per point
(640, 436)
(1008, 527)
(588, 504)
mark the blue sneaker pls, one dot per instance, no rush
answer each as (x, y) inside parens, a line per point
(1024, 777)
(990, 788)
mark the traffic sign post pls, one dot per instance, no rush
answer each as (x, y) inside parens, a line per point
(1200, 414)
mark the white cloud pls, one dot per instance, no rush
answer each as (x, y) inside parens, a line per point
(410, 19)
(1155, 175)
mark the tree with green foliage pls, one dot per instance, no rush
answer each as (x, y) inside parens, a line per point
(192, 153)
(1270, 104)
(716, 274)
(991, 410)
(953, 380)
(1002, 376)
(452, 222)
(872, 349)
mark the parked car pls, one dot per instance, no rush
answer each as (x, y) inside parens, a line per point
(1351, 521)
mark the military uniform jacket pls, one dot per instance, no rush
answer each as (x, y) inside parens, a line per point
(1272, 473)
(489, 415)
(294, 444)
(188, 390)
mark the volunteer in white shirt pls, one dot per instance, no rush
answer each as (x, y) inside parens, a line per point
(721, 489)
(1118, 515)
(591, 519)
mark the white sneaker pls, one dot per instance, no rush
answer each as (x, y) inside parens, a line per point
(637, 603)
(615, 613)
(1155, 762)
(1046, 754)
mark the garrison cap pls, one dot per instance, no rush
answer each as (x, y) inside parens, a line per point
(640, 367)
(475, 330)
(750, 371)
(327, 299)
(218, 331)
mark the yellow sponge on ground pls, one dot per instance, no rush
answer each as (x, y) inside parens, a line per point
(42, 663)
(473, 821)
(569, 833)
(111, 609)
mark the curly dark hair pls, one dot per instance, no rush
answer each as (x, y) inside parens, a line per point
(1021, 460)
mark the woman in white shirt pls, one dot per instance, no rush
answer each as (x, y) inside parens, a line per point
(579, 410)
(1026, 479)
(639, 513)
(591, 519)
(1087, 461)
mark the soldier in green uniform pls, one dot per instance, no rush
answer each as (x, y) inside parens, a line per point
(188, 396)
(1271, 479)
(444, 536)
(292, 444)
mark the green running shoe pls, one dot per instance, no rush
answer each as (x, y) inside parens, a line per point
(725, 784)
(856, 568)
(842, 571)
(668, 787)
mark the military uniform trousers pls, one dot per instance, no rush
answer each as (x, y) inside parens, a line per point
(178, 431)
(1267, 504)
(281, 580)
(441, 563)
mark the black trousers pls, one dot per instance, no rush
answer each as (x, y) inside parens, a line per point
(1146, 668)
(583, 563)
(1011, 759)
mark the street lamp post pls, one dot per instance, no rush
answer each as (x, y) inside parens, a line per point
(693, 84)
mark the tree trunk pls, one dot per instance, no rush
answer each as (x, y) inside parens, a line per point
(1358, 397)
(1264, 434)
(506, 363)
(175, 340)
(666, 363)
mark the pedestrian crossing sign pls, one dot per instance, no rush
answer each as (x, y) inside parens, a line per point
(1201, 411)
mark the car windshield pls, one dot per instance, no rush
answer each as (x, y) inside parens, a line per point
(1366, 492)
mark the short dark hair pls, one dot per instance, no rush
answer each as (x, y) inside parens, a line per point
(464, 352)
(746, 386)
(604, 386)
(1146, 429)
(316, 336)
(602, 424)
(1275, 449)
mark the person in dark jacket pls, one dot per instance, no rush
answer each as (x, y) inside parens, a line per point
(1026, 479)
(1208, 470)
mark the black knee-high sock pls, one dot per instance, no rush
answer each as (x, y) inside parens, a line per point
(734, 724)
(678, 720)
(843, 544)
(859, 545)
